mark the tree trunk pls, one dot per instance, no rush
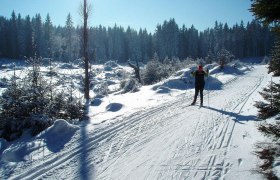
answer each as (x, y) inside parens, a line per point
(136, 70)
(85, 50)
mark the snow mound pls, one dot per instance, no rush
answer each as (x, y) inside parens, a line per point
(114, 107)
(183, 80)
(234, 68)
(179, 84)
(163, 90)
(59, 128)
(58, 134)
(54, 138)
(20, 152)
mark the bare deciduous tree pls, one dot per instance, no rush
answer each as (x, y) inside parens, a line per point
(85, 13)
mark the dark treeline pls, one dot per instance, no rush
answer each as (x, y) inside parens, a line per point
(25, 37)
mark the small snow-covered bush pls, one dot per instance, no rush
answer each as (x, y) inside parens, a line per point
(130, 85)
(224, 57)
(152, 72)
(3, 82)
(33, 102)
(101, 89)
(155, 71)
(108, 66)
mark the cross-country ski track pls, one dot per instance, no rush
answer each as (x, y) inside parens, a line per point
(169, 141)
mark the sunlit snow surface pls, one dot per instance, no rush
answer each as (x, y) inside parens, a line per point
(149, 134)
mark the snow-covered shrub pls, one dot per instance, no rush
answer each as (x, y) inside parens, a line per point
(155, 71)
(73, 108)
(265, 60)
(109, 65)
(37, 123)
(3, 82)
(101, 89)
(152, 72)
(32, 102)
(121, 73)
(210, 57)
(130, 85)
(224, 57)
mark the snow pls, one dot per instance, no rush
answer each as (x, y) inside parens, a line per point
(54, 138)
(152, 133)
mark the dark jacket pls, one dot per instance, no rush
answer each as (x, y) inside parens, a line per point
(199, 77)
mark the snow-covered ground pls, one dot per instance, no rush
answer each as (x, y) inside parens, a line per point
(152, 134)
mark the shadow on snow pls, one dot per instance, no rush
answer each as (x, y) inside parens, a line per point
(236, 116)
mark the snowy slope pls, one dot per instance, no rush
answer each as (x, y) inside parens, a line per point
(152, 135)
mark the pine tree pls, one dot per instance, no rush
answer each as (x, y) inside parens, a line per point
(14, 37)
(20, 25)
(32, 102)
(224, 57)
(272, 105)
(48, 37)
(38, 35)
(267, 11)
(28, 31)
(274, 64)
(69, 37)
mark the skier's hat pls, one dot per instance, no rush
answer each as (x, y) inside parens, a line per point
(200, 67)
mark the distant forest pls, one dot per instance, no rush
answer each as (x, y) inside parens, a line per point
(30, 36)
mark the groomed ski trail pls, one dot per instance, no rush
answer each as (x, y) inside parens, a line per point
(170, 141)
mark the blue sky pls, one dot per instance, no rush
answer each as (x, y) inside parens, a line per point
(136, 13)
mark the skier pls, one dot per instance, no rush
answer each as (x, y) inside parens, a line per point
(199, 83)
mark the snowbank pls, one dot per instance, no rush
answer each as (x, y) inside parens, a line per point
(20, 152)
(58, 134)
(60, 128)
(54, 138)
(183, 80)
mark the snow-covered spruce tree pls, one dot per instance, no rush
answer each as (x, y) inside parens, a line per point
(10, 115)
(268, 152)
(31, 103)
(37, 96)
(74, 108)
(268, 12)
(274, 64)
(210, 57)
(151, 73)
(272, 107)
(224, 57)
